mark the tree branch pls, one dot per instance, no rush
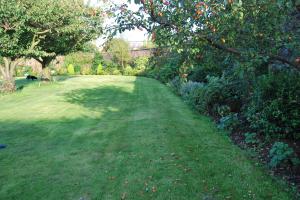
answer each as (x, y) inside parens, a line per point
(239, 53)
(37, 38)
(221, 47)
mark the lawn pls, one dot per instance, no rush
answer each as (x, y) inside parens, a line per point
(114, 137)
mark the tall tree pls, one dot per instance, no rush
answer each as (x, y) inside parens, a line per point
(119, 49)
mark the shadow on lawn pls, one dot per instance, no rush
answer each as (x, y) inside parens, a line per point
(108, 101)
(95, 154)
(101, 98)
(82, 144)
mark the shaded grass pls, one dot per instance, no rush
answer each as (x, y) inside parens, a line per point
(113, 137)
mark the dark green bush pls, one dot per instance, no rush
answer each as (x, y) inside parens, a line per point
(229, 122)
(165, 73)
(251, 138)
(212, 95)
(200, 72)
(77, 69)
(164, 67)
(281, 154)
(274, 110)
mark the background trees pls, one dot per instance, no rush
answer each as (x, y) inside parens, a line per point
(119, 49)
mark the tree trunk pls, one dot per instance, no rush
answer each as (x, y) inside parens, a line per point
(122, 61)
(7, 71)
(45, 62)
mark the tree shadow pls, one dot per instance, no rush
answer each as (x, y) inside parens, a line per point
(62, 151)
(100, 98)
(98, 152)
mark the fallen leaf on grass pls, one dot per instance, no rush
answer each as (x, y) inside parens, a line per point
(123, 196)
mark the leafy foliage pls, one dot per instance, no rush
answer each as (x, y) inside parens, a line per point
(100, 70)
(81, 61)
(119, 49)
(42, 30)
(250, 138)
(281, 153)
(141, 62)
(274, 109)
(71, 70)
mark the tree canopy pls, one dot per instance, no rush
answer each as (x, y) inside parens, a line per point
(42, 30)
(249, 30)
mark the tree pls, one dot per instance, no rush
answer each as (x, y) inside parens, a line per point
(119, 49)
(244, 29)
(42, 30)
(72, 25)
(18, 38)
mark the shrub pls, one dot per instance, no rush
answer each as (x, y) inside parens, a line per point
(86, 70)
(223, 110)
(250, 138)
(141, 63)
(70, 69)
(229, 122)
(281, 153)
(200, 73)
(175, 84)
(218, 92)
(167, 72)
(129, 71)
(188, 89)
(77, 69)
(98, 60)
(78, 59)
(116, 72)
(46, 73)
(209, 97)
(107, 64)
(100, 70)
(274, 109)
(164, 68)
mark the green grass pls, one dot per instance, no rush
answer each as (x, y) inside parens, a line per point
(114, 137)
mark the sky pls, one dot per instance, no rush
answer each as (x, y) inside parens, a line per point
(131, 36)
